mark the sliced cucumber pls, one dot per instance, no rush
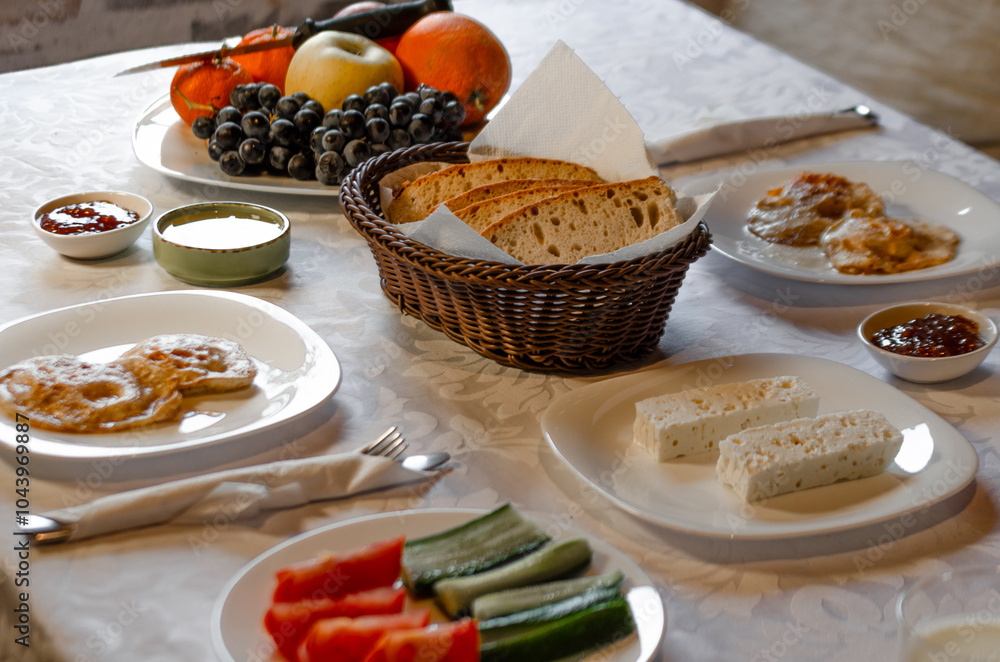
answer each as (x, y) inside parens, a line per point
(594, 627)
(555, 561)
(504, 626)
(514, 600)
(481, 544)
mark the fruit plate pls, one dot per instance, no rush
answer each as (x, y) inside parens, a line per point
(163, 142)
(590, 428)
(296, 373)
(908, 189)
(238, 614)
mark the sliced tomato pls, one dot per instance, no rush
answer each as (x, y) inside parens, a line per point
(350, 639)
(457, 641)
(332, 575)
(288, 622)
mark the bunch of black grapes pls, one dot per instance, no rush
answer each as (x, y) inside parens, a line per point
(263, 131)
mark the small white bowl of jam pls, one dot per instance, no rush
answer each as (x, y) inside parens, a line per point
(222, 243)
(928, 342)
(92, 225)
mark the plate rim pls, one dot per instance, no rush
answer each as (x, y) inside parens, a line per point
(104, 453)
(804, 275)
(708, 532)
(218, 606)
(162, 104)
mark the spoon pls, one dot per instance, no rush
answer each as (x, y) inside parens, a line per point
(425, 462)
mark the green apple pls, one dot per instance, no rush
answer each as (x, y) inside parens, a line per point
(330, 66)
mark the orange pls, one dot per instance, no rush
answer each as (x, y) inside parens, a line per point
(201, 88)
(267, 66)
(450, 51)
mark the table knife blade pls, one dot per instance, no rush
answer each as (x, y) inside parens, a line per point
(207, 55)
(388, 21)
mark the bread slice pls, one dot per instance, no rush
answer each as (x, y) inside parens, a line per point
(415, 199)
(496, 189)
(587, 221)
(484, 214)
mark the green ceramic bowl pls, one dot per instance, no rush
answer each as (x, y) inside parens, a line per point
(222, 243)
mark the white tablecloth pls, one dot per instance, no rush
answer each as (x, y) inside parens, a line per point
(147, 595)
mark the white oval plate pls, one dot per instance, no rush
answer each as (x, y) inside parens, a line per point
(908, 189)
(238, 614)
(591, 429)
(296, 370)
(163, 142)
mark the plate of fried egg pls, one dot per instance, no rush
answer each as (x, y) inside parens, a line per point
(863, 223)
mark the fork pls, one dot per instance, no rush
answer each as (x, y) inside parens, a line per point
(390, 444)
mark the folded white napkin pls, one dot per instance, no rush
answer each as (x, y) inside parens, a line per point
(237, 494)
(563, 110)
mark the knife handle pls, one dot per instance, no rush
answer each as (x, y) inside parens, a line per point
(388, 21)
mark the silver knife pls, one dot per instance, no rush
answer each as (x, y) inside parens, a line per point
(758, 133)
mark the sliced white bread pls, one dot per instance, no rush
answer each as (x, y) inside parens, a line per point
(481, 215)
(496, 189)
(416, 199)
(587, 221)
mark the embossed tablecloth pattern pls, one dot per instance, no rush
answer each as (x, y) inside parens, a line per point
(148, 595)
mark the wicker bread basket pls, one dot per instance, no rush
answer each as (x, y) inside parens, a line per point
(549, 318)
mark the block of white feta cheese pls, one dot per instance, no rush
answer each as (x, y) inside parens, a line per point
(694, 421)
(768, 460)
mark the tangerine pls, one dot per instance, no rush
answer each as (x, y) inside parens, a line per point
(201, 88)
(454, 52)
(268, 66)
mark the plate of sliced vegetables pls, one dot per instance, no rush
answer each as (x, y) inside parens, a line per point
(466, 584)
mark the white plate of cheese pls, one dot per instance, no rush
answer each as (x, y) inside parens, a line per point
(590, 428)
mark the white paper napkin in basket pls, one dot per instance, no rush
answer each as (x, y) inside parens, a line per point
(562, 110)
(237, 494)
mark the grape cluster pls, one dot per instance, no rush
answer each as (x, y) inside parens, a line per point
(264, 131)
